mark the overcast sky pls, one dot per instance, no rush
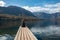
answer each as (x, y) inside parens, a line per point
(49, 6)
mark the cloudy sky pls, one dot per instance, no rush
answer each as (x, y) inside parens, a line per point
(49, 6)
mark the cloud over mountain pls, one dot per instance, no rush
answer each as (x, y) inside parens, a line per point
(2, 3)
(49, 8)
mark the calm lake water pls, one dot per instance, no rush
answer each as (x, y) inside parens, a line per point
(43, 30)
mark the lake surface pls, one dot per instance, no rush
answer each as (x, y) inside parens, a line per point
(43, 30)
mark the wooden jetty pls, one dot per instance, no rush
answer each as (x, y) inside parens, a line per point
(24, 33)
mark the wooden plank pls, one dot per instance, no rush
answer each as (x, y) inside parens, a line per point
(24, 34)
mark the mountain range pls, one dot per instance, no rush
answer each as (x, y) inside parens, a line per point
(17, 11)
(9, 11)
(47, 15)
(14, 10)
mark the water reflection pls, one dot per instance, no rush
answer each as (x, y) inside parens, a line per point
(42, 29)
(47, 29)
(43, 23)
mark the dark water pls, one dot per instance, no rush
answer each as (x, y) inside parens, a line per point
(43, 30)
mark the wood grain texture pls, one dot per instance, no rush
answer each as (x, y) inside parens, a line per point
(24, 34)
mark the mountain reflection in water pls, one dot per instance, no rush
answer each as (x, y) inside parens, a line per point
(45, 29)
